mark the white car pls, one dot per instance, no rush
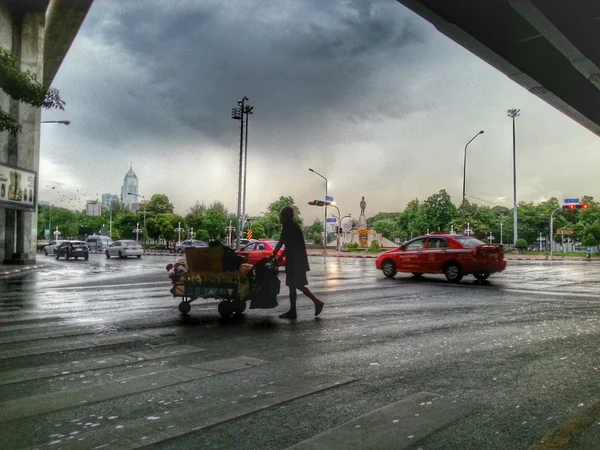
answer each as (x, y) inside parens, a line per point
(123, 249)
(49, 249)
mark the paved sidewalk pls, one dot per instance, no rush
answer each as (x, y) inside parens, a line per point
(10, 270)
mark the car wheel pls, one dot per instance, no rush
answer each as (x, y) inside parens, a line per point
(120, 255)
(139, 256)
(389, 268)
(45, 252)
(481, 276)
(76, 258)
(239, 307)
(107, 255)
(184, 307)
(418, 274)
(453, 272)
(56, 255)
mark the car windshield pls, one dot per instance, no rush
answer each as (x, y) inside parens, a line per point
(468, 241)
(129, 243)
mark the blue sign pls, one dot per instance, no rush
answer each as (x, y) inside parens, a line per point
(571, 200)
(328, 199)
(331, 219)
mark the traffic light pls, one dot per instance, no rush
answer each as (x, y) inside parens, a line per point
(319, 203)
(573, 206)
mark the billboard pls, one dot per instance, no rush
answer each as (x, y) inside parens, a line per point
(17, 188)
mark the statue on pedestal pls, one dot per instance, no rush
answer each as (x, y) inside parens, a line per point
(363, 205)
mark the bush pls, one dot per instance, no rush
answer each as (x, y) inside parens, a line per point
(352, 246)
(374, 247)
(521, 245)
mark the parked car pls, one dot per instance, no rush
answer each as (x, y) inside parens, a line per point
(257, 250)
(181, 246)
(50, 248)
(72, 249)
(454, 255)
(123, 249)
(98, 243)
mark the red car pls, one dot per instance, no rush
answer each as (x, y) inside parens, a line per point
(257, 250)
(454, 255)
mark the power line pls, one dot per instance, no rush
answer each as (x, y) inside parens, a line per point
(485, 201)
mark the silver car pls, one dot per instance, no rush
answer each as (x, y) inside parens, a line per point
(192, 243)
(123, 249)
(51, 247)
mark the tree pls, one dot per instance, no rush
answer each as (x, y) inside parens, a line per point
(438, 211)
(158, 204)
(314, 232)
(387, 227)
(214, 222)
(202, 235)
(23, 86)
(521, 245)
(196, 209)
(217, 206)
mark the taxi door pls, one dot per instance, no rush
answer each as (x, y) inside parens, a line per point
(409, 258)
(434, 254)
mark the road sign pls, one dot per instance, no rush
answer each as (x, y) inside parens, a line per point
(571, 200)
(564, 232)
(331, 219)
(328, 199)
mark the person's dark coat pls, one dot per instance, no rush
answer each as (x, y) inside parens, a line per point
(296, 261)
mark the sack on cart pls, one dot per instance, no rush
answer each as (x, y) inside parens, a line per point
(264, 285)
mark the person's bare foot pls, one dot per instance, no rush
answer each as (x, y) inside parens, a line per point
(318, 307)
(289, 315)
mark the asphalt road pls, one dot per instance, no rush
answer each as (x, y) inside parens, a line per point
(95, 354)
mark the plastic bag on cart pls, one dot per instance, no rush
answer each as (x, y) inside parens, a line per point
(264, 285)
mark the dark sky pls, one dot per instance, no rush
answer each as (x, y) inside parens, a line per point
(364, 92)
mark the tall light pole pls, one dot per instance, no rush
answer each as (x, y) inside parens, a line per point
(110, 220)
(325, 221)
(552, 232)
(238, 114)
(465, 167)
(512, 113)
(339, 217)
(247, 111)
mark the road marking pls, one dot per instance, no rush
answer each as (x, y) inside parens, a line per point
(229, 364)
(207, 413)
(97, 286)
(47, 335)
(399, 425)
(57, 401)
(41, 349)
(568, 430)
(36, 373)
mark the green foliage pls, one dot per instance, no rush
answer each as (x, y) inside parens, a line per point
(314, 232)
(202, 235)
(23, 86)
(158, 204)
(374, 247)
(521, 244)
(387, 227)
(352, 246)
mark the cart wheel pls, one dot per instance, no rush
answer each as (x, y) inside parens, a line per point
(184, 307)
(239, 307)
(225, 308)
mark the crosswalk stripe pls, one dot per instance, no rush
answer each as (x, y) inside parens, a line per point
(207, 413)
(57, 401)
(44, 348)
(46, 335)
(399, 425)
(36, 373)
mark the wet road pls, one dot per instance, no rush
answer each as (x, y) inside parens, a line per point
(95, 354)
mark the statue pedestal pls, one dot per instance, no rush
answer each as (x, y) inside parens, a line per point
(362, 235)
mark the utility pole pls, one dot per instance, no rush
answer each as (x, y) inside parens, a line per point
(238, 114)
(247, 110)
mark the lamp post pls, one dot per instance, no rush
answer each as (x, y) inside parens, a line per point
(137, 231)
(110, 219)
(137, 195)
(179, 230)
(512, 113)
(325, 221)
(192, 233)
(501, 225)
(339, 218)
(465, 167)
(552, 232)
(238, 114)
(247, 111)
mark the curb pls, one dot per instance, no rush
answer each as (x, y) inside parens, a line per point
(7, 273)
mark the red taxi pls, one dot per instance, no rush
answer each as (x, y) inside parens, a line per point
(454, 255)
(257, 250)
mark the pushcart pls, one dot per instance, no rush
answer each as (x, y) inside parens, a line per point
(218, 272)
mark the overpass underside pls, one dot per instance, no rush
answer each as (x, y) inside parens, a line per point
(550, 47)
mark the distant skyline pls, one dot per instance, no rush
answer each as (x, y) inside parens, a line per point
(366, 93)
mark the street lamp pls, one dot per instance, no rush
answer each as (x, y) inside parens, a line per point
(110, 219)
(552, 232)
(62, 122)
(465, 167)
(325, 221)
(137, 231)
(512, 113)
(247, 111)
(238, 114)
(179, 230)
(339, 217)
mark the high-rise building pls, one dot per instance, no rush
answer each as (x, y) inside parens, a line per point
(109, 199)
(130, 186)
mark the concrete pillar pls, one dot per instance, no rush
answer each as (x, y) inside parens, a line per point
(22, 33)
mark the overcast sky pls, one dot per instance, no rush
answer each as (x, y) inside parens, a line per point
(364, 92)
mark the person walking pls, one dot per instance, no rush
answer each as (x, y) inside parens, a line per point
(588, 253)
(296, 262)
